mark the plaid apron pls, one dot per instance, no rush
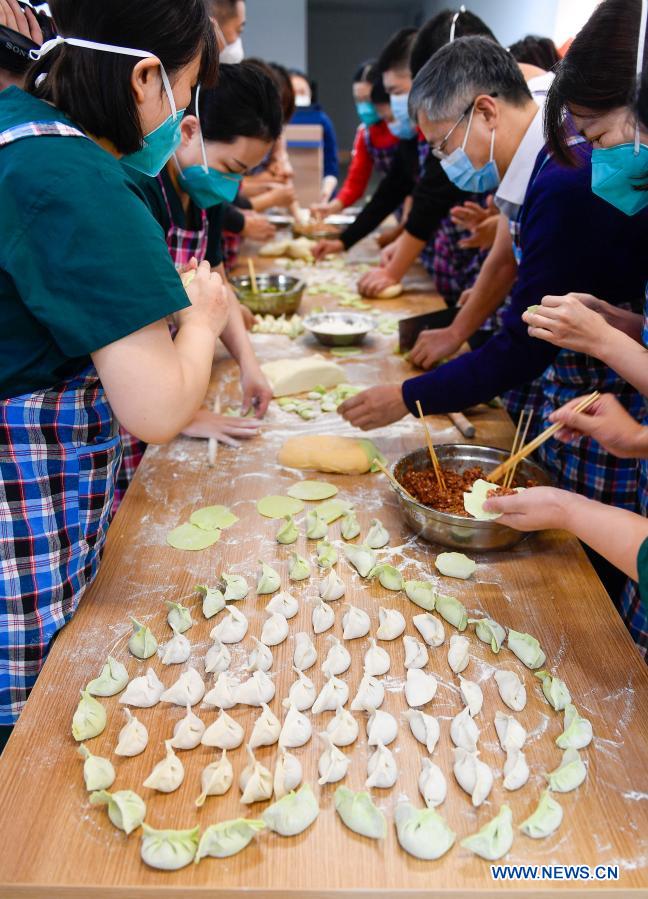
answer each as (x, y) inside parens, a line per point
(184, 244)
(382, 157)
(231, 249)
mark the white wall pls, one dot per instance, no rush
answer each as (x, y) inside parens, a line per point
(276, 31)
(509, 20)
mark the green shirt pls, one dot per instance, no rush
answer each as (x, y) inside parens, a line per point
(642, 566)
(190, 220)
(83, 262)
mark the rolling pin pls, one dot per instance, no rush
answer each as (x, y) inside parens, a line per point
(462, 424)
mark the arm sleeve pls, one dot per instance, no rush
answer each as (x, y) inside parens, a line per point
(359, 172)
(233, 219)
(215, 216)
(433, 197)
(330, 148)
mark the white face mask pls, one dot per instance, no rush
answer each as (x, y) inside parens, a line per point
(232, 53)
(302, 100)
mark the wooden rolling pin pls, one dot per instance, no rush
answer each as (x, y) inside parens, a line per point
(462, 424)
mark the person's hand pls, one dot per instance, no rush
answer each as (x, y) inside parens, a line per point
(470, 214)
(257, 227)
(464, 297)
(482, 236)
(326, 247)
(433, 346)
(389, 235)
(249, 319)
(607, 422)
(534, 509)
(23, 21)
(209, 301)
(257, 393)
(321, 210)
(224, 428)
(388, 254)
(374, 282)
(374, 407)
(567, 322)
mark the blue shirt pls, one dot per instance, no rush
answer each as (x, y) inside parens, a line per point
(315, 115)
(571, 240)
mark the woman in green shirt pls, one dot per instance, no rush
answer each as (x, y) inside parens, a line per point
(86, 283)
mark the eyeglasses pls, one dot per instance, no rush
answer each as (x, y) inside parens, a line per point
(438, 151)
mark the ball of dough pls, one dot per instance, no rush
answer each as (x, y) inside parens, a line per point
(321, 452)
(389, 293)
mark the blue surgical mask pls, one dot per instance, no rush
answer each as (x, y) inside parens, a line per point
(367, 113)
(402, 126)
(616, 174)
(161, 143)
(463, 173)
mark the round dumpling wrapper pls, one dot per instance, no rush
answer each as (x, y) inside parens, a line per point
(188, 536)
(279, 506)
(312, 490)
(213, 518)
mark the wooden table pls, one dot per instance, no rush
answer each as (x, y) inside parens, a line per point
(53, 843)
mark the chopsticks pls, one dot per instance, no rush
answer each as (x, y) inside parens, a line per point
(518, 443)
(433, 456)
(212, 444)
(512, 461)
(255, 286)
(396, 484)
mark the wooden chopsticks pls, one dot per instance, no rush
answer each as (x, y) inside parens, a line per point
(253, 279)
(395, 483)
(212, 443)
(433, 456)
(518, 443)
(497, 473)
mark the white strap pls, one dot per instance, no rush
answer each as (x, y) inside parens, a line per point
(640, 55)
(453, 24)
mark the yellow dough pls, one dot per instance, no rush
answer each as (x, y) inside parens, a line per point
(187, 277)
(321, 452)
(288, 376)
(300, 248)
(389, 293)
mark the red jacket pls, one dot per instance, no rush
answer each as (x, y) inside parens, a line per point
(361, 165)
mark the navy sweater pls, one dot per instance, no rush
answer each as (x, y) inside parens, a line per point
(571, 240)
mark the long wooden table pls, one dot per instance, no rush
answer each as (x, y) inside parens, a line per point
(54, 843)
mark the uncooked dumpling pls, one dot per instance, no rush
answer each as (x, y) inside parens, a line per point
(168, 850)
(288, 774)
(489, 631)
(189, 688)
(360, 815)
(223, 693)
(569, 775)
(526, 648)
(312, 490)
(464, 733)
(455, 565)
(378, 535)
(416, 654)
(279, 506)
(494, 839)
(284, 603)
(268, 581)
(302, 693)
(112, 680)
(98, 773)
(376, 660)
(390, 578)
(335, 692)
(511, 689)
(420, 688)
(143, 692)
(473, 775)
(296, 730)
(350, 527)
(236, 587)
(338, 658)
(178, 617)
(260, 658)
(510, 732)
(356, 623)
(256, 690)
(293, 814)
(316, 526)
(422, 832)
(323, 452)
(516, 771)
(232, 628)
(432, 784)
(392, 624)
(188, 536)
(474, 501)
(343, 728)
(142, 643)
(555, 690)
(126, 809)
(275, 630)
(168, 774)
(333, 764)
(255, 781)
(216, 779)
(331, 587)
(327, 555)
(382, 769)
(545, 820)
(381, 728)
(305, 654)
(452, 610)
(176, 651)
(299, 568)
(363, 558)
(370, 695)
(224, 733)
(458, 654)
(323, 617)
(227, 838)
(288, 532)
(266, 730)
(188, 732)
(425, 728)
(133, 737)
(577, 731)
(213, 518)
(430, 628)
(421, 593)
(472, 695)
(218, 658)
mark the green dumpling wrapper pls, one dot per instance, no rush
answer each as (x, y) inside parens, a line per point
(489, 631)
(495, 838)
(359, 814)
(227, 838)
(112, 680)
(178, 617)
(126, 809)
(299, 568)
(168, 850)
(421, 593)
(89, 720)
(142, 643)
(292, 814)
(288, 532)
(526, 648)
(545, 820)
(422, 832)
(269, 580)
(452, 610)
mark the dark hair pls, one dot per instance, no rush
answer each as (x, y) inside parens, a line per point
(379, 95)
(365, 73)
(461, 71)
(436, 32)
(93, 87)
(223, 10)
(286, 90)
(396, 53)
(536, 51)
(312, 84)
(244, 104)
(15, 47)
(598, 73)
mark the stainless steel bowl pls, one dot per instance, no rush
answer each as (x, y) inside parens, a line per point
(455, 531)
(284, 300)
(361, 324)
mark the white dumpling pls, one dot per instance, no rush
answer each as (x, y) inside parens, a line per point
(473, 775)
(432, 784)
(189, 688)
(143, 692)
(333, 764)
(256, 690)
(425, 728)
(284, 603)
(224, 733)
(176, 651)
(334, 692)
(218, 658)
(302, 693)
(464, 733)
(275, 630)
(343, 728)
(133, 737)
(416, 654)
(331, 587)
(223, 693)
(459, 653)
(382, 769)
(392, 624)
(356, 623)
(260, 658)
(296, 730)
(188, 732)
(232, 627)
(216, 779)
(255, 781)
(266, 730)
(510, 732)
(338, 658)
(472, 695)
(430, 628)
(381, 728)
(420, 688)
(305, 654)
(323, 617)
(377, 536)
(370, 695)
(511, 689)
(288, 774)
(168, 774)
(516, 770)
(376, 660)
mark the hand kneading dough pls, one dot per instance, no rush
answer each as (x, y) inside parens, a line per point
(338, 455)
(395, 290)
(288, 376)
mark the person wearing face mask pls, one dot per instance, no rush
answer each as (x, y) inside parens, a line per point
(230, 15)
(309, 112)
(374, 145)
(237, 122)
(616, 124)
(86, 284)
(474, 107)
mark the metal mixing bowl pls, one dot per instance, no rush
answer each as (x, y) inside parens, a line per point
(455, 531)
(361, 324)
(284, 301)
